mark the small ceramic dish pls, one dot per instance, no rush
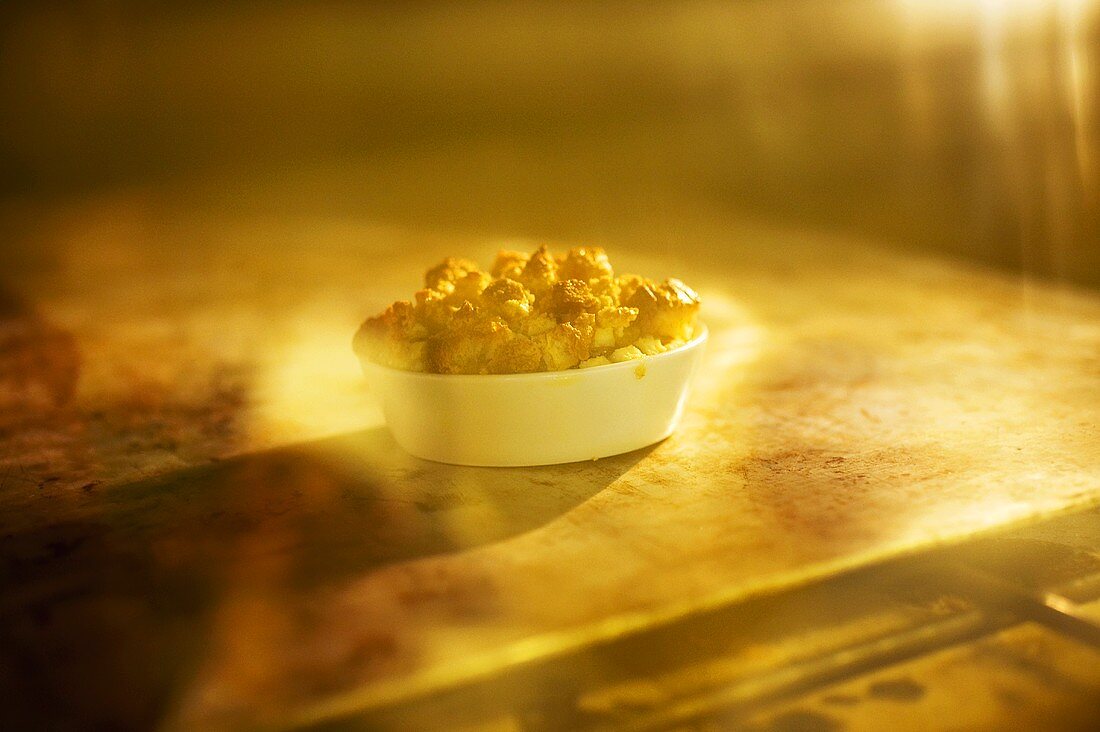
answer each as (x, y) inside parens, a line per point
(541, 418)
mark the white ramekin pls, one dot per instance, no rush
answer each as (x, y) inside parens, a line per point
(541, 418)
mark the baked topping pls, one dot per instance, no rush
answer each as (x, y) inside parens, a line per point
(529, 313)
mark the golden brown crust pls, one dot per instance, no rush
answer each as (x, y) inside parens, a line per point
(568, 299)
(530, 313)
(509, 264)
(584, 263)
(449, 271)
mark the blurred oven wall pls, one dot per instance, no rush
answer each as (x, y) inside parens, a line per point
(969, 128)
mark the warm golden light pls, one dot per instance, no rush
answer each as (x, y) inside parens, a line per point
(890, 208)
(309, 383)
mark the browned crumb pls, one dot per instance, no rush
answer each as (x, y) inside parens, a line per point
(530, 312)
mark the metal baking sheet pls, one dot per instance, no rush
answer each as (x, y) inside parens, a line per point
(204, 461)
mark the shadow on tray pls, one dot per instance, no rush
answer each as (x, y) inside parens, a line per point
(103, 618)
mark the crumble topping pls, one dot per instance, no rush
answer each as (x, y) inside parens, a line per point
(529, 312)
